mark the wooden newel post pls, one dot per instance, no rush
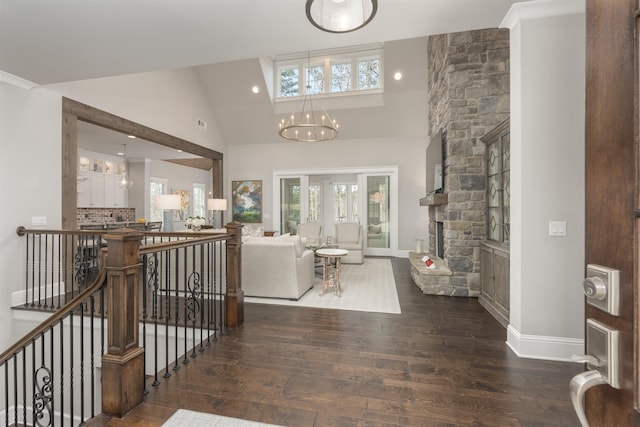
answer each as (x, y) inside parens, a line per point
(123, 365)
(234, 297)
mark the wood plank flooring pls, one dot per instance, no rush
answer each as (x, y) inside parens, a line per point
(442, 362)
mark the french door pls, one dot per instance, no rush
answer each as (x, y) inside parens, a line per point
(369, 199)
(293, 202)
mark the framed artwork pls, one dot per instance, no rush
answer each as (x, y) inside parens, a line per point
(185, 199)
(247, 201)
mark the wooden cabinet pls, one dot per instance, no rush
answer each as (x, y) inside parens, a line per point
(494, 280)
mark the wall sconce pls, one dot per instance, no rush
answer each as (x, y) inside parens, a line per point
(168, 203)
(217, 205)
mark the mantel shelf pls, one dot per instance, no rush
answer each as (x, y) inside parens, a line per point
(433, 199)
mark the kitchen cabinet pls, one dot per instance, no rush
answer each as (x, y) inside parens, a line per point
(494, 280)
(114, 196)
(98, 176)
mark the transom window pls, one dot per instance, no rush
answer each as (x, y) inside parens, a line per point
(329, 72)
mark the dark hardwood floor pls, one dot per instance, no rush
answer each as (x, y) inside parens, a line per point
(442, 362)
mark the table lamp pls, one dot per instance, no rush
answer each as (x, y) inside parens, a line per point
(217, 205)
(168, 203)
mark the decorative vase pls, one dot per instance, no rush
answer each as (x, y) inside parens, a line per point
(419, 246)
(196, 228)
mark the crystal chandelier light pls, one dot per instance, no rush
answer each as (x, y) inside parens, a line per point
(341, 16)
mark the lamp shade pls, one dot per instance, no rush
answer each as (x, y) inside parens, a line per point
(168, 201)
(341, 16)
(217, 204)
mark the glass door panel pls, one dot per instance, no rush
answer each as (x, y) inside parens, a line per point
(345, 202)
(289, 205)
(378, 218)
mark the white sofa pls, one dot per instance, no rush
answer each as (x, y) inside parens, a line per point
(276, 267)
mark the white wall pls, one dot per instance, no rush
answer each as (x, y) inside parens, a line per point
(547, 177)
(30, 180)
(258, 162)
(30, 141)
(169, 101)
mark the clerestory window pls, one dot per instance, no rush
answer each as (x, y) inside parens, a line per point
(330, 72)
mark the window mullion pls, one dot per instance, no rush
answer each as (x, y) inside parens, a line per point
(327, 77)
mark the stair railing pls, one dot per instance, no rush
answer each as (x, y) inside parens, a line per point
(184, 288)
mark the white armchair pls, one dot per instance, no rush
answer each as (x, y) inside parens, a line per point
(349, 236)
(311, 232)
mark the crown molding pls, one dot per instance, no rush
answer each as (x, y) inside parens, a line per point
(538, 9)
(16, 81)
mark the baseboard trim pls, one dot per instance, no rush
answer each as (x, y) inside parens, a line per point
(543, 347)
(19, 298)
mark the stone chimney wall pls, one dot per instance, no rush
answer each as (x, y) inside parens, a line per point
(468, 96)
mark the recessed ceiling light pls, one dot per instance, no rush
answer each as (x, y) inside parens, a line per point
(397, 75)
(120, 153)
(179, 151)
(255, 89)
(132, 136)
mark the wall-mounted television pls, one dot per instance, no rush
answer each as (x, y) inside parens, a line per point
(435, 163)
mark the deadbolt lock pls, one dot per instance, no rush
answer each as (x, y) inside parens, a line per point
(602, 288)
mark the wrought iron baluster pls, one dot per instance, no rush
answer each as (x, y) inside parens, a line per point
(177, 300)
(167, 317)
(42, 389)
(61, 324)
(185, 276)
(92, 343)
(81, 311)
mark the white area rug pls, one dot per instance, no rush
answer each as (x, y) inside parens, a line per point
(185, 418)
(366, 287)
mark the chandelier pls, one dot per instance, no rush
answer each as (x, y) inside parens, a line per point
(341, 16)
(309, 125)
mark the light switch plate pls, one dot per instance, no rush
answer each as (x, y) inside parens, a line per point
(38, 220)
(557, 228)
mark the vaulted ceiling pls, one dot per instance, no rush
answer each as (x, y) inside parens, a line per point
(224, 41)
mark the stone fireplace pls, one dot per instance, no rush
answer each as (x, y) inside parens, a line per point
(468, 91)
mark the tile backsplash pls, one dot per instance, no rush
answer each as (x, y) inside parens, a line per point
(105, 215)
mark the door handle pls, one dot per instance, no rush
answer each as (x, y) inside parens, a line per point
(602, 359)
(579, 386)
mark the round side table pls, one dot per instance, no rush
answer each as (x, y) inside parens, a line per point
(330, 280)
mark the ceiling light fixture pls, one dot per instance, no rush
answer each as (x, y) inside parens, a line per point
(124, 182)
(310, 125)
(341, 16)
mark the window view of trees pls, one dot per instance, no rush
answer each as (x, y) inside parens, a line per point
(345, 203)
(355, 71)
(341, 77)
(289, 82)
(314, 203)
(199, 200)
(369, 74)
(315, 79)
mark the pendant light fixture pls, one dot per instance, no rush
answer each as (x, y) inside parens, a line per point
(124, 182)
(341, 16)
(309, 125)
